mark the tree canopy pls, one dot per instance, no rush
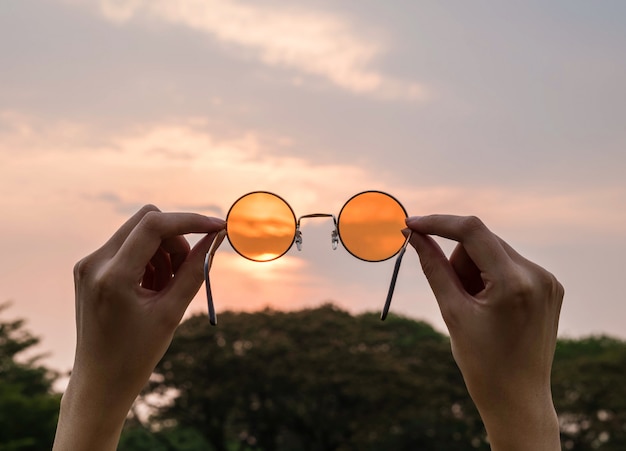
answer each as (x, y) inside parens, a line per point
(323, 379)
(589, 387)
(28, 406)
(312, 380)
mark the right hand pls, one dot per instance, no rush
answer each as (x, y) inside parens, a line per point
(502, 312)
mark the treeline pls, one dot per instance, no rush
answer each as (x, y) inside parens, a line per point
(323, 380)
(28, 406)
(311, 380)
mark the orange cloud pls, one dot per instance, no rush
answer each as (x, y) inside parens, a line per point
(182, 165)
(537, 215)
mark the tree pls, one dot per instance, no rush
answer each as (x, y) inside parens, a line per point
(28, 406)
(314, 380)
(589, 386)
(136, 437)
(323, 379)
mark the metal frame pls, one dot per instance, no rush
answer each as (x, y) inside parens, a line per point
(335, 238)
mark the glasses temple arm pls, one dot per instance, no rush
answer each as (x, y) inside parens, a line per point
(208, 261)
(394, 277)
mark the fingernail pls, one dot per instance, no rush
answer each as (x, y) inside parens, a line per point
(406, 232)
(412, 219)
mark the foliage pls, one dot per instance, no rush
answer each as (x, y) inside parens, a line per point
(136, 438)
(28, 407)
(316, 380)
(322, 379)
(312, 380)
(589, 387)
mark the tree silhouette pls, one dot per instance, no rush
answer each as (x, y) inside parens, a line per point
(589, 386)
(28, 407)
(314, 380)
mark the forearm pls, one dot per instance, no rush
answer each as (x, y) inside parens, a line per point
(89, 420)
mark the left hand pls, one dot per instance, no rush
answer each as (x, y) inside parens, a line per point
(130, 296)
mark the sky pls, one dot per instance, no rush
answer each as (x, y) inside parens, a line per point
(511, 111)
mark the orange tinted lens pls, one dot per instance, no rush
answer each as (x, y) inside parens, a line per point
(370, 226)
(261, 226)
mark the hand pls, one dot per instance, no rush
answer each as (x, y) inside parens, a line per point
(130, 296)
(502, 312)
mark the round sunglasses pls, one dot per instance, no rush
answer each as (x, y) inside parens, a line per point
(261, 226)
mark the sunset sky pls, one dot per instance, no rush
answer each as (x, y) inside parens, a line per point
(511, 111)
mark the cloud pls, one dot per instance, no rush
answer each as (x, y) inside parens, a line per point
(33, 135)
(310, 42)
(66, 187)
(537, 215)
(185, 165)
(47, 171)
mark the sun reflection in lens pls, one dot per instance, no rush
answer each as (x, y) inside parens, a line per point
(370, 226)
(261, 226)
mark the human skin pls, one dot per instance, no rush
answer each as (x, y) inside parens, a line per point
(502, 313)
(501, 310)
(130, 296)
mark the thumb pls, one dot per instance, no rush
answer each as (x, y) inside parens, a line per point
(439, 272)
(188, 279)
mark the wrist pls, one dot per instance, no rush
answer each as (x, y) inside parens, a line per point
(89, 418)
(532, 424)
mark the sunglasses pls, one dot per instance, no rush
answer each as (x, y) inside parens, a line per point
(261, 226)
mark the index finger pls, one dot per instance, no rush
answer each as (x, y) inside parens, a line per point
(153, 228)
(482, 245)
(117, 239)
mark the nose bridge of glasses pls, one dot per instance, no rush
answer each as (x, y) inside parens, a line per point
(334, 234)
